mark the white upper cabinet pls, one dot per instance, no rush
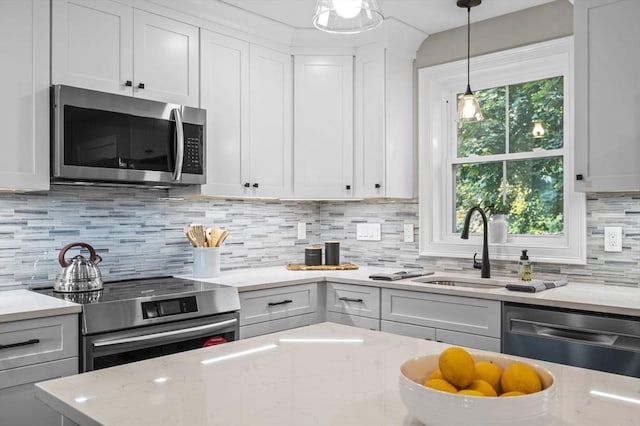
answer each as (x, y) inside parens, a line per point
(607, 142)
(107, 46)
(383, 146)
(271, 121)
(246, 90)
(323, 126)
(24, 47)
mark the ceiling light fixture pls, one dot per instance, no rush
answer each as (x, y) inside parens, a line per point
(347, 16)
(468, 107)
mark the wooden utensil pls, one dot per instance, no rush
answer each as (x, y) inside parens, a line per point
(198, 234)
(216, 233)
(223, 237)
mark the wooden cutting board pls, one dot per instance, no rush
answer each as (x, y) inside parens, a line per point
(341, 267)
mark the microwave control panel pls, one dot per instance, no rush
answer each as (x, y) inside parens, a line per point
(193, 149)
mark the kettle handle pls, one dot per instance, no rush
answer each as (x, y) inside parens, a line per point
(92, 253)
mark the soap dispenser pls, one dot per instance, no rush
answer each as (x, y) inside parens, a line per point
(524, 267)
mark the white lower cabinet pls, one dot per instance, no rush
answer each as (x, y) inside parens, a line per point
(354, 305)
(276, 309)
(464, 321)
(32, 351)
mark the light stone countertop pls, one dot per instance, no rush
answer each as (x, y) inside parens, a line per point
(591, 297)
(266, 380)
(16, 305)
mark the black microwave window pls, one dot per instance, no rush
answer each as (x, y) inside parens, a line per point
(95, 138)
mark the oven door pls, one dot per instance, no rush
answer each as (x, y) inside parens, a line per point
(121, 347)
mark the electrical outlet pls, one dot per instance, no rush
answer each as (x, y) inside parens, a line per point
(368, 232)
(613, 238)
(408, 232)
(302, 231)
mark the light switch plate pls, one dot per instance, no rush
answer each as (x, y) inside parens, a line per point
(408, 232)
(368, 232)
(302, 231)
(613, 238)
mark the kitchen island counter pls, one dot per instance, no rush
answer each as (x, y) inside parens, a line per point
(324, 374)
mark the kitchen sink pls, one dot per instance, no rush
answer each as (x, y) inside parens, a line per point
(457, 283)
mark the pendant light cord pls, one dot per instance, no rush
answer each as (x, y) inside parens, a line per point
(468, 46)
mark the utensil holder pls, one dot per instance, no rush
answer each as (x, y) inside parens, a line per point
(206, 262)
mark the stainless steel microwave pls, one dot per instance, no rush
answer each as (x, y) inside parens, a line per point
(106, 138)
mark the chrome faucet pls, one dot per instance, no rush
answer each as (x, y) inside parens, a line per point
(485, 268)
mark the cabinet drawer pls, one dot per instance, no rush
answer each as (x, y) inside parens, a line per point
(468, 340)
(464, 314)
(354, 320)
(410, 330)
(353, 299)
(38, 340)
(277, 325)
(275, 303)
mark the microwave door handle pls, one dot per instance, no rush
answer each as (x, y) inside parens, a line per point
(177, 173)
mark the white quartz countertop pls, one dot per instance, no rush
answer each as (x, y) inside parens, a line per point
(18, 305)
(300, 377)
(591, 297)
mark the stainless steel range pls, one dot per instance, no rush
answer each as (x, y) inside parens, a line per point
(133, 320)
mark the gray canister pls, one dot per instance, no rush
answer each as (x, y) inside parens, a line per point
(332, 252)
(313, 256)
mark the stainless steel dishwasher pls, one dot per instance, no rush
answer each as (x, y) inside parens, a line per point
(597, 341)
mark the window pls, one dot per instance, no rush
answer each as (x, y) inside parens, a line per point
(517, 161)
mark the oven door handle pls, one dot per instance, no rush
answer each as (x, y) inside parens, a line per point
(173, 333)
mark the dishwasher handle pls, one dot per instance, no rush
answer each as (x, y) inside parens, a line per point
(564, 333)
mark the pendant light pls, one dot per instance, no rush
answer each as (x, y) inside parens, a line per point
(347, 16)
(538, 129)
(468, 108)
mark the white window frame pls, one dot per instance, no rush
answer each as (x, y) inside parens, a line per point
(437, 89)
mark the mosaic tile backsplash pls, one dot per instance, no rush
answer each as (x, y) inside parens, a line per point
(140, 233)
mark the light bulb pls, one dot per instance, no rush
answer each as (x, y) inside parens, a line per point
(468, 108)
(538, 130)
(347, 9)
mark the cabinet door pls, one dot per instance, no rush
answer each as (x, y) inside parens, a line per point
(24, 47)
(323, 126)
(225, 96)
(606, 96)
(277, 303)
(92, 45)
(369, 123)
(271, 142)
(165, 67)
(468, 340)
(18, 404)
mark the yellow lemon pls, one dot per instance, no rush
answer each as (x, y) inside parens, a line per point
(441, 385)
(435, 375)
(471, 392)
(513, 393)
(490, 373)
(483, 387)
(520, 377)
(457, 367)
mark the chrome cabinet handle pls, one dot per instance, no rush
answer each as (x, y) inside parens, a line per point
(25, 343)
(177, 173)
(348, 299)
(284, 302)
(146, 337)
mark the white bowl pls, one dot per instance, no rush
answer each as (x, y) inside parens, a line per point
(434, 408)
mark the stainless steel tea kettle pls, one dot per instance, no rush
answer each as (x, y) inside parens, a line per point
(79, 274)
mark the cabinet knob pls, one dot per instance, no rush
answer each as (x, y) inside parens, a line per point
(378, 186)
(247, 184)
(348, 187)
(255, 185)
(128, 83)
(579, 177)
(140, 85)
